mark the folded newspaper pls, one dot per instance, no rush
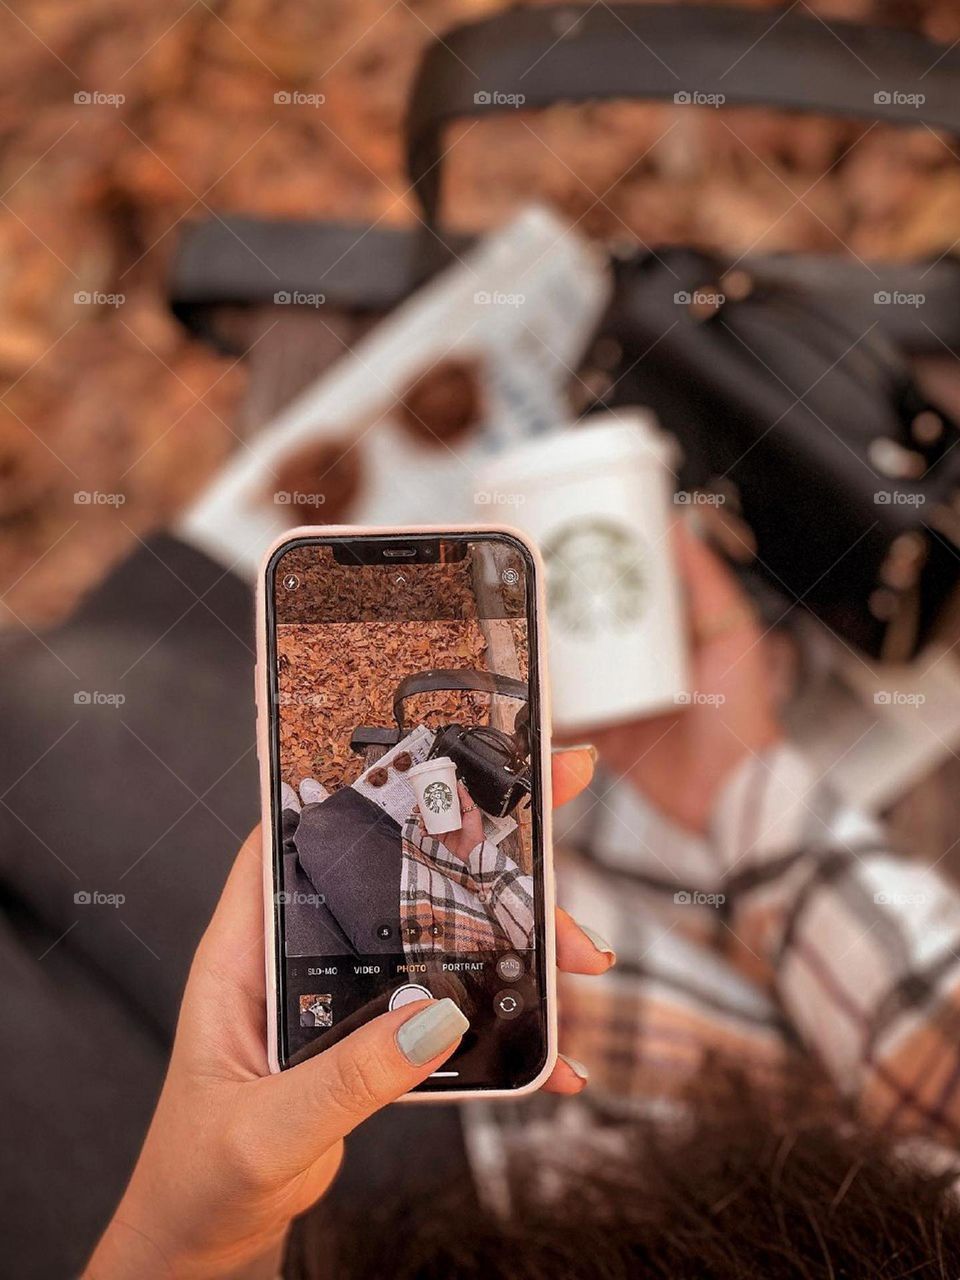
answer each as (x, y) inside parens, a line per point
(520, 307)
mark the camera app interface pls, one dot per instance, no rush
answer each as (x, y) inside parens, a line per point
(406, 794)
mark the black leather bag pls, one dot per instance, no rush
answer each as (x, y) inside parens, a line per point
(842, 477)
(490, 764)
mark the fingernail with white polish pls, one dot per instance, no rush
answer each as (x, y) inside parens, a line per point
(600, 943)
(431, 1031)
(578, 746)
(578, 1069)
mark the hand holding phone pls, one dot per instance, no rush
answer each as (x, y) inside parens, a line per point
(234, 1153)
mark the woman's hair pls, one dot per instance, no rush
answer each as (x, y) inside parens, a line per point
(751, 1189)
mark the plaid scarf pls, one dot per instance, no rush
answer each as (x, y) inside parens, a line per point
(790, 930)
(450, 905)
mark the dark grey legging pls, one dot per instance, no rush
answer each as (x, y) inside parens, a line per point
(349, 852)
(149, 799)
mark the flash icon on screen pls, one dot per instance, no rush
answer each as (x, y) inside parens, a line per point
(291, 581)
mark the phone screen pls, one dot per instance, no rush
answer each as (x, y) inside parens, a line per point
(403, 697)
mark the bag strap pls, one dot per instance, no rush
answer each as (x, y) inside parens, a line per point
(558, 53)
(212, 268)
(460, 678)
(535, 57)
(862, 295)
(259, 261)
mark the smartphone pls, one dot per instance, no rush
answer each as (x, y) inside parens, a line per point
(404, 757)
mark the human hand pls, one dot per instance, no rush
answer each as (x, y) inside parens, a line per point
(234, 1153)
(465, 839)
(681, 759)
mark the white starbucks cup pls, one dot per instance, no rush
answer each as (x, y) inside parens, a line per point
(598, 499)
(435, 784)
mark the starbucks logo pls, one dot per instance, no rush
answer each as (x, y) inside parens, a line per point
(438, 797)
(595, 577)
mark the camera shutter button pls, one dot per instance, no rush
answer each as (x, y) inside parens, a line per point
(408, 994)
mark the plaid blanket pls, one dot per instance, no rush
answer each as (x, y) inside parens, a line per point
(792, 929)
(449, 905)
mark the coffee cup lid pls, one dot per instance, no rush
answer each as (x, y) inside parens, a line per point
(438, 762)
(601, 438)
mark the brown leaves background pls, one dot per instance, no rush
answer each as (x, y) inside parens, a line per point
(335, 677)
(116, 399)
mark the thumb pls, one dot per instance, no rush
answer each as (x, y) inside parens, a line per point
(310, 1107)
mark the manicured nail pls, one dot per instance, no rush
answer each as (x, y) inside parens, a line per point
(600, 943)
(578, 1069)
(431, 1031)
(579, 746)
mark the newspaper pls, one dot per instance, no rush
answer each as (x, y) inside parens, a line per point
(521, 306)
(877, 729)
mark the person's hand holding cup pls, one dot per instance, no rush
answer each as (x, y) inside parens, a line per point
(655, 652)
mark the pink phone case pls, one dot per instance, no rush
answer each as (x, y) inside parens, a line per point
(266, 793)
